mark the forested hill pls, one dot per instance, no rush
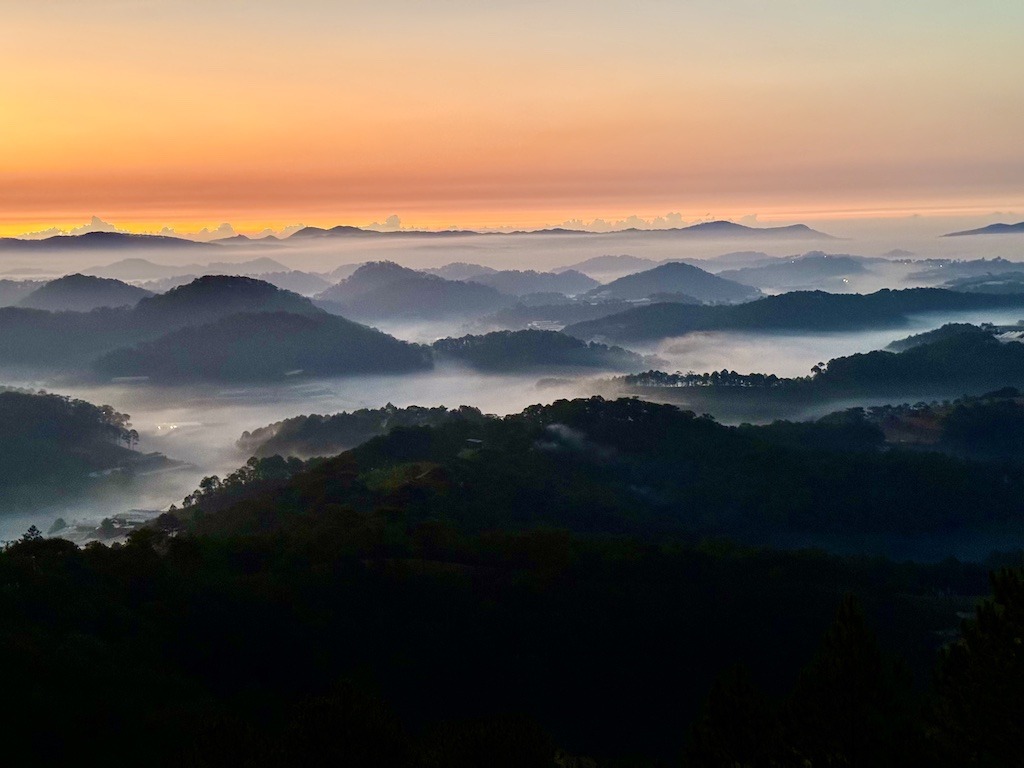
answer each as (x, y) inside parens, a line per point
(54, 447)
(266, 346)
(316, 435)
(813, 311)
(630, 466)
(462, 558)
(533, 349)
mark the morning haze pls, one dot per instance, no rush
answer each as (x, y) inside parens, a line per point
(574, 384)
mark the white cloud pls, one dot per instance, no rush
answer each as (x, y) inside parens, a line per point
(42, 234)
(96, 224)
(391, 224)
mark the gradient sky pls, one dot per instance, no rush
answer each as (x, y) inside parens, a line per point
(449, 112)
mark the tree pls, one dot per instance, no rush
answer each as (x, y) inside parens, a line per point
(980, 681)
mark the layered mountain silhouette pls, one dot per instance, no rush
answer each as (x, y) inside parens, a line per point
(385, 290)
(250, 330)
(101, 241)
(814, 311)
(82, 293)
(991, 229)
(675, 278)
(262, 346)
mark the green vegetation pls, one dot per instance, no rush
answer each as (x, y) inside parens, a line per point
(316, 435)
(529, 349)
(952, 359)
(518, 591)
(55, 448)
(267, 346)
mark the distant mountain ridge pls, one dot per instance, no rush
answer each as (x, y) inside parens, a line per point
(796, 311)
(991, 229)
(100, 241)
(710, 229)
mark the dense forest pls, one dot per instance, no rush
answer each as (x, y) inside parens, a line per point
(317, 435)
(361, 609)
(56, 448)
(531, 349)
(955, 359)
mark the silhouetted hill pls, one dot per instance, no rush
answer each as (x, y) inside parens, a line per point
(71, 340)
(385, 290)
(315, 435)
(530, 349)
(991, 229)
(675, 277)
(797, 311)
(729, 229)
(266, 346)
(947, 331)
(215, 296)
(81, 293)
(519, 283)
(55, 448)
(101, 241)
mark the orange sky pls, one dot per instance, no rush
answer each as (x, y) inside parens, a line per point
(185, 113)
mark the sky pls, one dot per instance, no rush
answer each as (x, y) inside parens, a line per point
(186, 114)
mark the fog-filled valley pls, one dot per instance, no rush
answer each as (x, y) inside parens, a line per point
(527, 447)
(464, 319)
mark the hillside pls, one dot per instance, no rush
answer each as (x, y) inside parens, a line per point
(316, 435)
(266, 346)
(797, 311)
(55, 449)
(385, 290)
(532, 349)
(82, 293)
(215, 296)
(674, 277)
(991, 229)
(73, 340)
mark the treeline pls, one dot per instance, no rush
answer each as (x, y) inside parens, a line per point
(54, 446)
(954, 360)
(367, 638)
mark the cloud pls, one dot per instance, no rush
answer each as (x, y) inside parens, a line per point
(224, 230)
(750, 220)
(670, 220)
(42, 234)
(391, 224)
(96, 224)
